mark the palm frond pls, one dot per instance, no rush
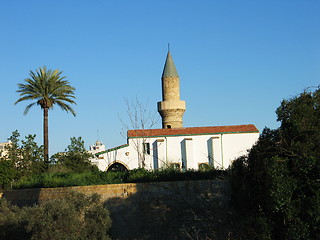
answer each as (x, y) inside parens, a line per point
(28, 108)
(66, 107)
(48, 87)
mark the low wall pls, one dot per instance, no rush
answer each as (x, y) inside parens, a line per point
(145, 190)
(38, 195)
(142, 210)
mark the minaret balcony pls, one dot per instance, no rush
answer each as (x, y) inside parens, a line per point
(172, 104)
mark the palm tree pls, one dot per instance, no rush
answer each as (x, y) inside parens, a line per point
(46, 88)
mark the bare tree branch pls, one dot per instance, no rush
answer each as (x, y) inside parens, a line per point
(140, 116)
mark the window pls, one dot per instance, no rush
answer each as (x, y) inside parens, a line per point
(168, 126)
(175, 166)
(203, 166)
(146, 148)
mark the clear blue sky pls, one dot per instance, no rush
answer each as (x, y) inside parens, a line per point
(236, 59)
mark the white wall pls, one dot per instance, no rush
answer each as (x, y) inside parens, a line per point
(217, 149)
(121, 155)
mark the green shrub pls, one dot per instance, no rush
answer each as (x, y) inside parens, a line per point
(77, 217)
(140, 175)
(7, 172)
(113, 177)
(67, 179)
(279, 179)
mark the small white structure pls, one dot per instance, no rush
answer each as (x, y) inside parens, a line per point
(173, 145)
(97, 147)
(3, 150)
(184, 148)
(94, 149)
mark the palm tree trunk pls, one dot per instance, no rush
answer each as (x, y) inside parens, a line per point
(45, 135)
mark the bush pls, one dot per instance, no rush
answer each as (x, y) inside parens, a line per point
(7, 172)
(75, 158)
(67, 179)
(59, 180)
(76, 217)
(279, 179)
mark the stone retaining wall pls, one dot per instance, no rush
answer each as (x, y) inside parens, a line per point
(107, 192)
(142, 210)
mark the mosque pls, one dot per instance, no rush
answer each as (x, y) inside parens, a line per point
(174, 145)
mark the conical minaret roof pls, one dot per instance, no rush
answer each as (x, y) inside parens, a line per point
(171, 108)
(169, 67)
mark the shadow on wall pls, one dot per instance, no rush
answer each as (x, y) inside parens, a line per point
(163, 210)
(23, 197)
(171, 210)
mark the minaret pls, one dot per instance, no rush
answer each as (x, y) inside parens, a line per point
(171, 108)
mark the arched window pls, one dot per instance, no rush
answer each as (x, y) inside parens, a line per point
(175, 166)
(117, 167)
(203, 166)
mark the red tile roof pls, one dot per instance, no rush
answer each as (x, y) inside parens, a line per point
(192, 131)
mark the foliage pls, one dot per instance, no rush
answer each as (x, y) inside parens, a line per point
(32, 155)
(22, 158)
(279, 179)
(76, 158)
(65, 179)
(58, 180)
(7, 172)
(13, 149)
(46, 88)
(75, 217)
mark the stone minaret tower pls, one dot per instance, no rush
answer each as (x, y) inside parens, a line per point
(171, 108)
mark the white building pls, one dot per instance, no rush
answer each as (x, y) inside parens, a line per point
(174, 145)
(184, 148)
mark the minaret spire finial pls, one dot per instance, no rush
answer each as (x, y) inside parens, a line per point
(171, 108)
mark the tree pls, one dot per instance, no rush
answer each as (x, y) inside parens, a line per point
(75, 158)
(21, 159)
(7, 172)
(13, 148)
(47, 88)
(279, 179)
(32, 154)
(140, 117)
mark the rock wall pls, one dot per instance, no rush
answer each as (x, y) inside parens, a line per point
(164, 210)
